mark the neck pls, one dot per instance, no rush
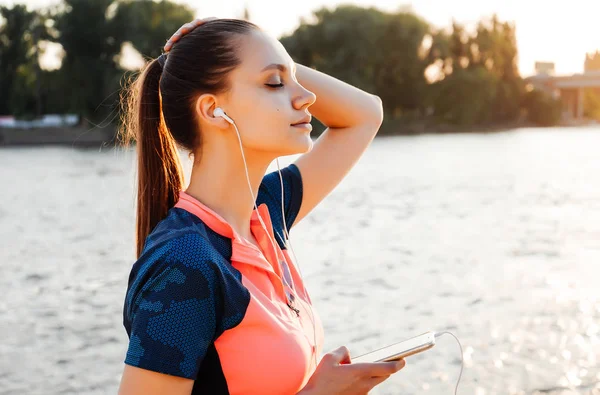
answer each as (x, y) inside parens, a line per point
(218, 180)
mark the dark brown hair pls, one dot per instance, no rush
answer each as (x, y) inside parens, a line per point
(160, 117)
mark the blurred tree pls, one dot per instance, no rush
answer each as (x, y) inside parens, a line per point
(484, 61)
(87, 34)
(459, 47)
(541, 108)
(20, 33)
(336, 43)
(92, 34)
(591, 103)
(497, 44)
(465, 97)
(460, 76)
(400, 63)
(375, 51)
(246, 15)
(149, 24)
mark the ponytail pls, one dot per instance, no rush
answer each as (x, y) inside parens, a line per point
(160, 112)
(160, 177)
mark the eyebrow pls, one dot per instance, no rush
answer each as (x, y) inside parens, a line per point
(278, 66)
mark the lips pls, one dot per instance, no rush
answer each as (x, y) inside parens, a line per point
(303, 121)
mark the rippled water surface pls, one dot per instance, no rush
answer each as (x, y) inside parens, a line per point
(493, 236)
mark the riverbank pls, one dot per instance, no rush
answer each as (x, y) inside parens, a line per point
(402, 127)
(91, 136)
(419, 127)
(78, 136)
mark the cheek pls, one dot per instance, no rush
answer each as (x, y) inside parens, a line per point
(276, 108)
(269, 116)
(264, 119)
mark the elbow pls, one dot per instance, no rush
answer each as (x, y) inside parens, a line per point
(377, 112)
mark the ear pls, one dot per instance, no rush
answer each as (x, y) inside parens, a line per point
(205, 106)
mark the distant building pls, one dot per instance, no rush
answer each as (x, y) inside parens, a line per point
(569, 88)
(546, 68)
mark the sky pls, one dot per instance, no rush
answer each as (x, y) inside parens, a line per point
(547, 30)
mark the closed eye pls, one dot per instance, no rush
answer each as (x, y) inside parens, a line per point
(274, 86)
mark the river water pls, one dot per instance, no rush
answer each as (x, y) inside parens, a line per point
(495, 237)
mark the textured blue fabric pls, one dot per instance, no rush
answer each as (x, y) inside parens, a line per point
(182, 294)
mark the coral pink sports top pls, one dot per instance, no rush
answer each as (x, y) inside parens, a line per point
(204, 304)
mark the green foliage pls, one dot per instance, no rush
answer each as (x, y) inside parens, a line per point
(465, 97)
(591, 103)
(19, 32)
(148, 24)
(541, 108)
(367, 48)
(481, 83)
(91, 34)
(336, 43)
(90, 42)
(475, 77)
(388, 54)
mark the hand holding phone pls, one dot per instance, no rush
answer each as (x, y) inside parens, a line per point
(335, 375)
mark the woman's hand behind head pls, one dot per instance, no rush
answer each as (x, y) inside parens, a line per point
(185, 29)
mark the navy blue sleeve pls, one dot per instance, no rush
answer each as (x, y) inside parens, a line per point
(270, 193)
(174, 306)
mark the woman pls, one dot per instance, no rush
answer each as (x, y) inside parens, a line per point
(214, 303)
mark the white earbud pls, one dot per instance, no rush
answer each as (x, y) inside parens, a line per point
(220, 113)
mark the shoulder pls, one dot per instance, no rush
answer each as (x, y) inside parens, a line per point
(182, 241)
(183, 260)
(178, 223)
(271, 182)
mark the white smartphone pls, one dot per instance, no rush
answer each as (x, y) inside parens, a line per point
(399, 350)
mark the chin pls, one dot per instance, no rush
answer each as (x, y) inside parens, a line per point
(302, 145)
(299, 144)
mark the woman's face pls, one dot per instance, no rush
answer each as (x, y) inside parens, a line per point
(266, 100)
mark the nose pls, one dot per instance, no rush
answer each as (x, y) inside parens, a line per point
(304, 98)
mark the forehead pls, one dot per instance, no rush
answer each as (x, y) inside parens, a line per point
(258, 50)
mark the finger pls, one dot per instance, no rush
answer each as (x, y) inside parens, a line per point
(185, 29)
(199, 21)
(174, 38)
(378, 369)
(177, 33)
(171, 41)
(210, 18)
(169, 45)
(339, 355)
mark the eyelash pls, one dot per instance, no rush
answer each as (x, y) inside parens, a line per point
(274, 86)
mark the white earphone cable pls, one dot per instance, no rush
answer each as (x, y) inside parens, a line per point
(272, 242)
(462, 359)
(289, 243)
